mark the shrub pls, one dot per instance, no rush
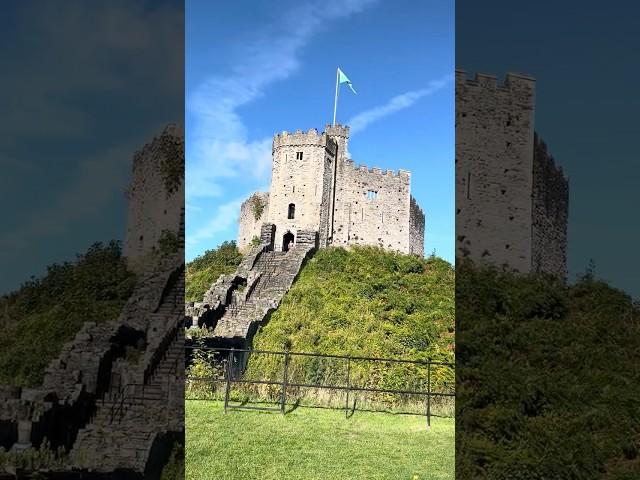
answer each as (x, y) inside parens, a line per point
(547, 378)
(205, 269)
(44, 313)
(364, 302)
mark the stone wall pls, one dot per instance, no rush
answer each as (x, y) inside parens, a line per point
(346, 205)
(298, 181)
(416, 228)
(511, 199)
(372, 207)
(156, 192)
(307, 237)
(494, 169)
(253, 212)
(267, 234)
(550, 213)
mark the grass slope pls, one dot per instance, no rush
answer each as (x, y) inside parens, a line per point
(205, 269)
(367, 302)
(37, 319)
(314, 444)
(547, 378)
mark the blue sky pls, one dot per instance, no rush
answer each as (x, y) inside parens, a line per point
(84, 87)
(249, 76)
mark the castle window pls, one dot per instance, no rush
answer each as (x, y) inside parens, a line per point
(292, 211)
(298, 155)
(372, 195)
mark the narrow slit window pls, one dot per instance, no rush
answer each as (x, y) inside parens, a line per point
(468, 185)
(298, 155)
(292, 211)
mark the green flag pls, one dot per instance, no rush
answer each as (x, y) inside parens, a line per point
(344, 79)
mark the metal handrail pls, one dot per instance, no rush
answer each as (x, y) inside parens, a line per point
(285, 383)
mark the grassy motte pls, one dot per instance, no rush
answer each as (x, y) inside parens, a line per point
(547, 378)
(43, 314)
(365, 301)
(315, 444)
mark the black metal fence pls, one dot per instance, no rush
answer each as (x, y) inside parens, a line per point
(280, 378)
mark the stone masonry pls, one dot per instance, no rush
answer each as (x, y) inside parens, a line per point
(237, 304)
(156, 194)
(316, 187)
(511, 199)
(113, 399)
(112, 412)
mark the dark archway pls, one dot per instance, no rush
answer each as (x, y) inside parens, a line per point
(287, 241)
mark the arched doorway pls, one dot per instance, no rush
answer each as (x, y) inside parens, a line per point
(287, 241)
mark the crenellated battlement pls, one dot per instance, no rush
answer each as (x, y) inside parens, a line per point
(299, 138)
(316, 187)
(512, 81)
(376, 170)
(337, 130)
(311, 137)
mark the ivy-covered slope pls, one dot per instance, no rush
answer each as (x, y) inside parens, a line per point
(368, 302)
(43, 314)
(205, 269)
(548, 378)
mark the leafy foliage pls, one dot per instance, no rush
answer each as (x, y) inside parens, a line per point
(172, 163)
(174, 469)
(37, 319)
(258, 205)
(33, 459)
(547, 380)
(255, 241)
(205, 269)
(365, 302)
(168, 243)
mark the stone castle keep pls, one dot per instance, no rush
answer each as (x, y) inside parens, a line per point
(316, 187)
(512, 201)
(317, 199)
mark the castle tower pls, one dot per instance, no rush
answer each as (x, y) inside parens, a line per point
(155, 194)
(340, 135)
(315, 187)
(511, 200)
(301, 184)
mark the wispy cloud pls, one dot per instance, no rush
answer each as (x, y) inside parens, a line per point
(361, 121)
(223, 219)
(220, 147)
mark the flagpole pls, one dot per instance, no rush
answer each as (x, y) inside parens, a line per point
(335, 103)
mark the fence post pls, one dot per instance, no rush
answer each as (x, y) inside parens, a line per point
(227, 386)
(346, 403)
(283, 397)
(429, 394)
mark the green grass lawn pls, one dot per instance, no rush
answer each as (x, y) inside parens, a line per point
(315, 444)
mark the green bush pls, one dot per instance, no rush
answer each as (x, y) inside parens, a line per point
(43, 314)
(364, 302)
(174, 469)
(205, 269)
(547, 378)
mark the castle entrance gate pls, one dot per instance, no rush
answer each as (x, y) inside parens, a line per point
(287, 241)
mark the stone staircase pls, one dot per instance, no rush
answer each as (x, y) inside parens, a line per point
(140, 408)
(270, 277)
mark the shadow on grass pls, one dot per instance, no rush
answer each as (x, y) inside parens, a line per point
(292, 407)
